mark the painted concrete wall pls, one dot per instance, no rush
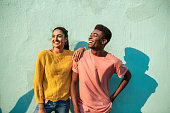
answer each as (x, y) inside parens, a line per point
(141, 31)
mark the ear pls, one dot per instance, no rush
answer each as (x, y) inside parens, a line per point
(104, 41)
(66, 39)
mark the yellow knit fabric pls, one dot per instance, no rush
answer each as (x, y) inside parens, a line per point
(53, 76)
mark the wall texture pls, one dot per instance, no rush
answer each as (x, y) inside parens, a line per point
(141, 32)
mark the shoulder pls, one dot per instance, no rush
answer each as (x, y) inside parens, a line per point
(42, 55)
(43, 52)
(69, 52)
(113, 58)
(84, 56)
(87, 52)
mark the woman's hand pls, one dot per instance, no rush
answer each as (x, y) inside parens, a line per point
(41, 109)
(77, 54)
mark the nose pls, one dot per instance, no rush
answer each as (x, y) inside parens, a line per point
(56, 37)
(90, 37)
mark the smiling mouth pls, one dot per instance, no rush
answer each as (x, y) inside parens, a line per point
(56, 42)
(90, 41)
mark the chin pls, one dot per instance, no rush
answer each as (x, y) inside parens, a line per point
(56, 46)
(90, 47)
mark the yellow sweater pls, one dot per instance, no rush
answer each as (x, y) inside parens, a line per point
(53, 76)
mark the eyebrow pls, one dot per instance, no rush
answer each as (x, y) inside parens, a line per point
(95, 33)
(57, 34)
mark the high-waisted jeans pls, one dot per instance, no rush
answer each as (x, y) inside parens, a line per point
(60, 106)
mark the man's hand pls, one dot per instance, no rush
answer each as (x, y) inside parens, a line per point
(122, 85)
(112, 98)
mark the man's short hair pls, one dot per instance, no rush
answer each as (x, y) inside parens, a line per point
(106, 32)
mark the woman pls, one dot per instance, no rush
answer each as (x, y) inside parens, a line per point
(53, 75)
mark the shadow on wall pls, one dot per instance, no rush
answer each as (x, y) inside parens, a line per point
(81, 44)
(140, 87)
(23, 103)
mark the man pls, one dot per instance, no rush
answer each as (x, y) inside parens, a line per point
(93, 71)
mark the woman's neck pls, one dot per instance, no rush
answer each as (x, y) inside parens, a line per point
(57, 50)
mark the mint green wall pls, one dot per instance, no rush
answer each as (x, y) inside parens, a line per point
(144, 25)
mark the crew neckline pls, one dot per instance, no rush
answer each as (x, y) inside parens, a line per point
(98, 56)
(49, 50)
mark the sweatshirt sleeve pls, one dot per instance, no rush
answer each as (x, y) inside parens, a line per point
(38, 78)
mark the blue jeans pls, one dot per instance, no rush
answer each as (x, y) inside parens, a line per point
(60, 106)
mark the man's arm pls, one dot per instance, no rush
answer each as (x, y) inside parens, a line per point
(122, 85)
(74, 92)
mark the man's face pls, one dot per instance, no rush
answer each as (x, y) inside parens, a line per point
(95, 40)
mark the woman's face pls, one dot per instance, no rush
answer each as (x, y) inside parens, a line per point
(58, 39)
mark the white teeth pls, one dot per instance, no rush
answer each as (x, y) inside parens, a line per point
(90, 41)
(56, 42)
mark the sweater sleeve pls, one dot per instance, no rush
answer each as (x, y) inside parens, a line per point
(38, 78)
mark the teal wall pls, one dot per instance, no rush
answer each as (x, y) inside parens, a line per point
(141, 31)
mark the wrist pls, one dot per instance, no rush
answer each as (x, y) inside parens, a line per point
(41, 106)
(112, 98)
(77, 110)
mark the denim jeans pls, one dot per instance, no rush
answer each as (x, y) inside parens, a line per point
(60, 106)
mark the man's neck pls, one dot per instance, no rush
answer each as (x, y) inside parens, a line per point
(99, 53)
